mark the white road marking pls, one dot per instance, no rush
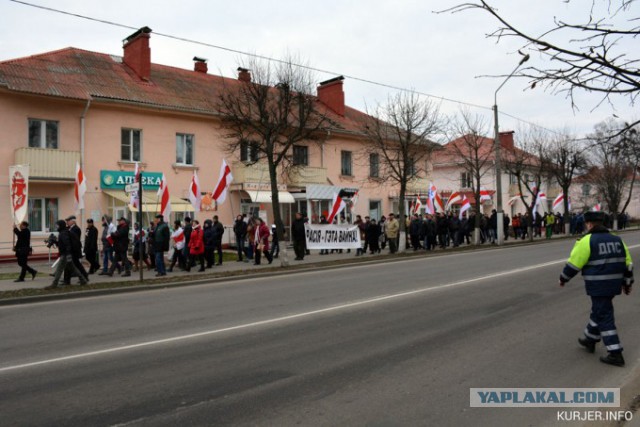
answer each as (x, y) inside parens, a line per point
(283, 318)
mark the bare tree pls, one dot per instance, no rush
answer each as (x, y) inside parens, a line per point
(475, 154)
(565, 159)
(400, 134)
(526, 163)
(584, 56)
(615, 163)
(270, 109)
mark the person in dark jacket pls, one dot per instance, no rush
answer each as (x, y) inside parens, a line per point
(76, 243)
(240, 230)
(218, 231)
(207, 230)
(23, 250)
(151, 244)
(298, 237)
(91, 246)
(187, 235)
(162, 237)
(373, 236)
(107, 246)
(275, 242)
(607, 269)
(121, 246)
(65, 256)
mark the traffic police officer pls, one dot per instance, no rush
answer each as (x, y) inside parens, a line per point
(607, 269)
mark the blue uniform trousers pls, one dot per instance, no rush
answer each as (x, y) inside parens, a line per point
(602, 324)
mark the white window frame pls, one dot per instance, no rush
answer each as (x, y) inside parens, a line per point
(342, 163)
(43, 133)
(131, 145)
(42, 227)
(183, 138)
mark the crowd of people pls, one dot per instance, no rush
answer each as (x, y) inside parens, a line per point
(188, 244)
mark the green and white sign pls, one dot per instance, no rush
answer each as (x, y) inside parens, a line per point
(118, 180)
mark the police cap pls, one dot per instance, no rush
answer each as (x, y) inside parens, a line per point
(594, 216)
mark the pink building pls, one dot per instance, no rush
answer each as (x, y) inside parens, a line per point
(108, 112)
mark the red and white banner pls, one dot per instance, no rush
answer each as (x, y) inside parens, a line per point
(513, 199)
(165, 200)
(80, 187)
(465, 206)
(454, 198)
(19, 192)
(417, 206)
(436, 201)
(484, 194)
(597, 207)
(557, 202)
(195, 196)
(337, 206)
(220, 192)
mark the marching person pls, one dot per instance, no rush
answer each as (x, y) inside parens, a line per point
(76, 243)
(607, 270)
(240, 230)
(392, 228)
(196, 246)
(139, 238)
(218, 232)
(23, 250)
(162, 238)
(121, 246)
(107, 246)
(91, 246)
(298, 237)
(178, 246)
(207, 231)
(275, 243)
(65, 256)
(262, 241)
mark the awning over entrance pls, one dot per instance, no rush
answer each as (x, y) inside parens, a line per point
(326, 192)
(261, 196)
(150, 202)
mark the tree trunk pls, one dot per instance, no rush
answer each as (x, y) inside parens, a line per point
(402, 244)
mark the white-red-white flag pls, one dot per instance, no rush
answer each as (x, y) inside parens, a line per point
(337, 206)
(597, 207)
(484, 194)
(19, 192)
(417, 206)
(354, 201)
(454, 198)
(165, 200)
(436, 200)
(557, 201)
(220, 192)
(133, 198)
(195, 196)
(513, 199)
(80, 187)
(465, 206)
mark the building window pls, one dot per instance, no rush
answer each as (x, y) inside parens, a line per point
(346, 169)
(184, 149)
(586, 190)
(411, 168)
(43, 214)
(465, 180)
(249, 151)
(300, 155)
(43, 133)
(130, 145)
(374, 165)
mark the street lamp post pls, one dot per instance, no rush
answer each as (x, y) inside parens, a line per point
(496, 147)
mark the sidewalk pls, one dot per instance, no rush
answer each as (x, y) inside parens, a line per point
(43, 278)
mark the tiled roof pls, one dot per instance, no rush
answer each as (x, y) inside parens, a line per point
(449, 154)
(80, 74)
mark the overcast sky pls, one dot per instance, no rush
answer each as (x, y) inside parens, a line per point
(400, 43)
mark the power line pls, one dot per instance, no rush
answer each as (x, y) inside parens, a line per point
(267, 58)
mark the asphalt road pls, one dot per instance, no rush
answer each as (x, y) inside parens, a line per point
(394, 343)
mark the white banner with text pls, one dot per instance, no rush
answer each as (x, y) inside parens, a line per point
(329, 236)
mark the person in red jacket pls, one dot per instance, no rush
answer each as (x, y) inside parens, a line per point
(262, 234)
(196, 246)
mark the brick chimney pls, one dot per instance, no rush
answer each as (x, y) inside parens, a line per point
(137, 54)
(506, 140)
(200, 65)
(330, 93)
(244, 75)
